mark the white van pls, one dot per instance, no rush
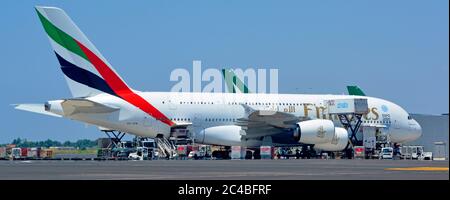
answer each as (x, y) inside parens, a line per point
(387, 153)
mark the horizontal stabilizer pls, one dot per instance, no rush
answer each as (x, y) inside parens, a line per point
(36, 108)
(75, 106)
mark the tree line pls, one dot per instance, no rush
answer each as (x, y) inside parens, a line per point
(82, 144)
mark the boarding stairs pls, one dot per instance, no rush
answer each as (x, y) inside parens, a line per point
(165, 147)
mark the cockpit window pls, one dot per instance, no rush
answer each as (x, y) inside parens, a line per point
(409, 117)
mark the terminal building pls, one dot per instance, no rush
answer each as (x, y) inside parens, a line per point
(434, 134)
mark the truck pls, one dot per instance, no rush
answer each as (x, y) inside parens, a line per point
(199, 152)
(104, 153)
(140, 154)
(426, 156)
(387, 153)
(121, 153)
(415, 153)
(152, 148)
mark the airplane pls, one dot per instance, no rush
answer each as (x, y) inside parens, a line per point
(102, 98)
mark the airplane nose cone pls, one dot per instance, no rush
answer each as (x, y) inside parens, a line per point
(416, 130)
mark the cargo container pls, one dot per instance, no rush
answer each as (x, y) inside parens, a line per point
(103, 143)
(359, 152)
(29, 153)
(343, 106)
(2, 153)
(16, 153)
(38, 152)
(182, 150)
(237, 152)
(24, 152)
(205, 150)
(191, 148)
(266, 152)
(46, 153)
(9, 148)
(34, 152)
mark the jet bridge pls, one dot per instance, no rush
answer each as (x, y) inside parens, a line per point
(350, 112)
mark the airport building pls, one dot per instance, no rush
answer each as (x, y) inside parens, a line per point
(434, 134)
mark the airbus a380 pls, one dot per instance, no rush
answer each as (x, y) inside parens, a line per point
(102, 98)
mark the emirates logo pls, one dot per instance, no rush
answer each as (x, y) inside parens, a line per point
(334, 140)
(321, 132)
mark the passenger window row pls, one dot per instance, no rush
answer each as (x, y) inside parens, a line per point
(206, 119)
(220, 120)
(247, 103)
(194, 102)
(180, 119)
(376, 122)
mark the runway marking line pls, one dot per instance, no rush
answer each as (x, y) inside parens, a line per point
(418, 169)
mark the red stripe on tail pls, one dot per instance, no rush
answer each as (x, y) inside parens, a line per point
(121, 89)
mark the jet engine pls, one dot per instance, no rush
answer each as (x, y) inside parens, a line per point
(338, 143)
(314, 131)
(220, 135)
(226, 136)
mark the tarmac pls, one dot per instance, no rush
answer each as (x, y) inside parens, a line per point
(313, 169)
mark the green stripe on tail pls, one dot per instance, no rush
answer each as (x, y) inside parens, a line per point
(355, 90)
(232, 80)
(61, 37)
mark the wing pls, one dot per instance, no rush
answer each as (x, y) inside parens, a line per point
(260, 123)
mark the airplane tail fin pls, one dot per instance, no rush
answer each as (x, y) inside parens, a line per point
(234, 82)
(355, 90)
(87, 72)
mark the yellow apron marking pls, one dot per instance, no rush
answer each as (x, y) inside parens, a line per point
(419, 169)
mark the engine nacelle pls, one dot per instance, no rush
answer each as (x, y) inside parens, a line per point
(226, 136)
(315, 131)
(338, 143)
(220, 135)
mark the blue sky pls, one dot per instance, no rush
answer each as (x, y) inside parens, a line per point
(396, 50)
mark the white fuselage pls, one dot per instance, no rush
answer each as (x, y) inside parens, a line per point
(204, 110)
(102, 98)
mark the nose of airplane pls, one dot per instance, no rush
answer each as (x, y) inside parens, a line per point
(416, 130)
